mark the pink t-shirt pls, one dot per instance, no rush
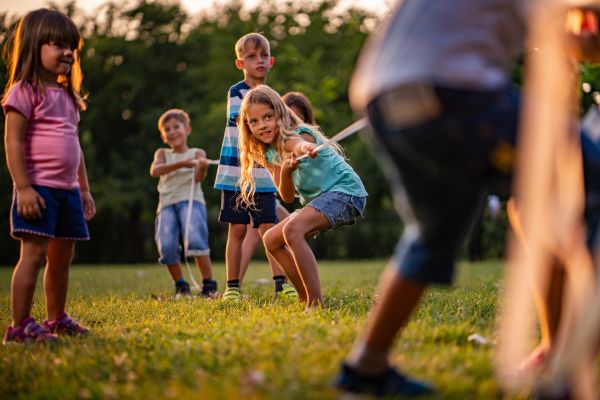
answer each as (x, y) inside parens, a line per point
(52, 151)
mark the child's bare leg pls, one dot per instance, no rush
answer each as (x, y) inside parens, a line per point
(233, 250)
(276, 270)
(294, 232)
(282, 214)
(397, 300)
(56, 277)
(33, 253)
(205, 266)
(175, 271)
(249, 246)
(276, 247)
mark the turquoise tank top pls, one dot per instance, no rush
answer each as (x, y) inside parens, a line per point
(328, 172)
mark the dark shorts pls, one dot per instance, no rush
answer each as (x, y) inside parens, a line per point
(262, 213)
(61, 219)
(440, 171)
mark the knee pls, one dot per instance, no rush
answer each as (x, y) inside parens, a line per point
(292, 232)
(271, 241)
(237, 232)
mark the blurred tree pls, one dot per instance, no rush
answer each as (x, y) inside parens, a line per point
(144, 57)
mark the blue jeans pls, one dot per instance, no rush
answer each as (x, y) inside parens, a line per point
(170, 227)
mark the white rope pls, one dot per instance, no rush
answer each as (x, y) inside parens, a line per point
(344, 133)
(188, 220)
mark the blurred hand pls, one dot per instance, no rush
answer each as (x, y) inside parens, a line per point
(30, 203)
(89, 206)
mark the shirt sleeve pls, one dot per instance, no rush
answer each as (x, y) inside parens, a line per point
(234, 101)
(20, 98)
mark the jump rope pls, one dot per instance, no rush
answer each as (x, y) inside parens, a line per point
(344, 133)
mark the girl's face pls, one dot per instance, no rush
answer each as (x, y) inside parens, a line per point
(262, 122)
(57, 59)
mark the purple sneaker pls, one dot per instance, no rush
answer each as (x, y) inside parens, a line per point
(64, 325)
(28, 331)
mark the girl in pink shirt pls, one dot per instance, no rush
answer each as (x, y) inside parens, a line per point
(52, 199)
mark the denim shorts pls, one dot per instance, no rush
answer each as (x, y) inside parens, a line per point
(440, 170)
(339, 208)
(61, 219)
(263, 212)
(169, 232)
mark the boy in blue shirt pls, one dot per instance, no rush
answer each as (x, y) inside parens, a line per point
(253, 57)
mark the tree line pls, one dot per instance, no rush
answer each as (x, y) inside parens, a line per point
(144, 57)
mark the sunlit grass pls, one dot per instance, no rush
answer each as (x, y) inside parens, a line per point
(146, 344)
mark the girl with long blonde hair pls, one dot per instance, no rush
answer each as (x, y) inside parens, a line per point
(332, 193)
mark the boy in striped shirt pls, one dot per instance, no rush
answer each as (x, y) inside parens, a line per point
(253, 57)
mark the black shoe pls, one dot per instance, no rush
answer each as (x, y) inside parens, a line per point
(388, 383)
(182, 288)
(209, 289)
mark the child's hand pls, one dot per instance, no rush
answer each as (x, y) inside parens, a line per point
(89, 206)
(290, 164)
(29, 203)
(189, 162)
(202, 162)
(308, 148)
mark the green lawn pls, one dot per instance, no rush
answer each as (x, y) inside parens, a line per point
(147, 345)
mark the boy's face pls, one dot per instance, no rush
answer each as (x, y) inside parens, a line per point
(175, 132)
(256, 63)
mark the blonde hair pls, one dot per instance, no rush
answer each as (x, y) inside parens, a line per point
(173, 113)
(251, 150)
(22, 52)
(255, 39)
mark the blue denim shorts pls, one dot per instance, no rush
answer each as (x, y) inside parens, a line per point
(169, 232)
(61, 219)
(339, 208)
(440, 170)
(233, 213)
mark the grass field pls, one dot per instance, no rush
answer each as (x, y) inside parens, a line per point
(147, 345)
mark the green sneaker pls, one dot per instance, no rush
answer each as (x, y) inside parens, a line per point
(232, 294)
(288, 292)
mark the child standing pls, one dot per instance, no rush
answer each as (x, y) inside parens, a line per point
(271, 135)
(176, 167)
(253, 54)
(52, 199)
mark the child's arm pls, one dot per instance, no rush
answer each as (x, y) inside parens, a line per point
(202, 165)
(282, 177)
(159, 167)
(89, 206)
(29, 201)
(301, 144)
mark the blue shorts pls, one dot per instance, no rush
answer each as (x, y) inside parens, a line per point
(61, 219)
(263, 213)
(440, 171)
(339, 208)
(170, 228)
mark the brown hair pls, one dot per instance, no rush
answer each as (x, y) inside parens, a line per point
(173, 113)
(22, 52)
(301, 102)
(255, 39)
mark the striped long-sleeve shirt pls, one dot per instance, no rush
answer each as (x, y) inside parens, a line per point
(228, 171)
